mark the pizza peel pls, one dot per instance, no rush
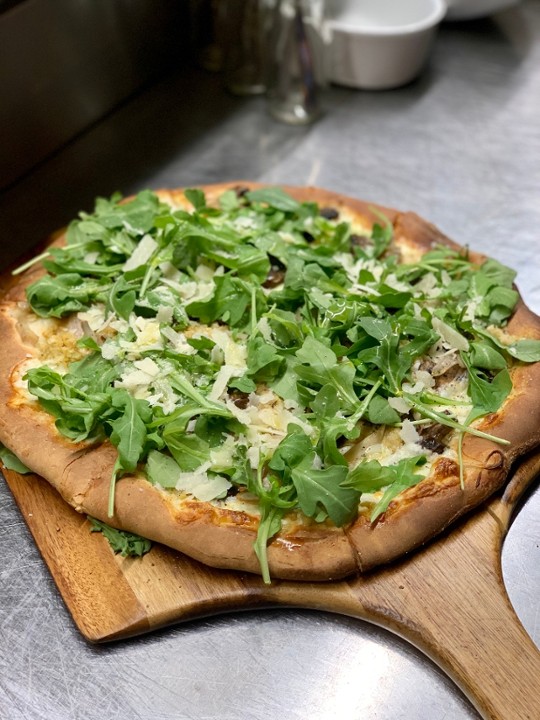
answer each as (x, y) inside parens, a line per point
(448, 599)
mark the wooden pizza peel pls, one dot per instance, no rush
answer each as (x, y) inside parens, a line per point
(447, 599)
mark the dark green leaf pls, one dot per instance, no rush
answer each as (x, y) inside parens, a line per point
(162, 469)
(405, 477)
(326, 403)
(129, 429)
(12, 462)
(370, 476)
(379, 412)
(322, 490)
(274, 197)
(483, 355)
(189, 451)
(125, 543)
(196, 197)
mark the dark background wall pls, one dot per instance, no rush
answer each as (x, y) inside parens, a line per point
(64, 64)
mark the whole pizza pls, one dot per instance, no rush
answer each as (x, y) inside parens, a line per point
(283, 381)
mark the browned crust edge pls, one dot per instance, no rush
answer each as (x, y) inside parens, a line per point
(221, 538)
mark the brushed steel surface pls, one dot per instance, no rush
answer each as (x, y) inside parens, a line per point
(461, 147)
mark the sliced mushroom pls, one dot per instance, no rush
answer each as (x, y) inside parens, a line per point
(329, 213)
(433, 437)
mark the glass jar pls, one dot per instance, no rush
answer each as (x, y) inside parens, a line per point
(245, 27)
(296, 60)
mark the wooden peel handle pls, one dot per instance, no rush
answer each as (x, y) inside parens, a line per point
(481, 644)
(457, 611)
(449, 601)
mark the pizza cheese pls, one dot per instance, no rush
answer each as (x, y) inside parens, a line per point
(287, 382)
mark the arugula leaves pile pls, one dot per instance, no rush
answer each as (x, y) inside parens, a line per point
(331, 322)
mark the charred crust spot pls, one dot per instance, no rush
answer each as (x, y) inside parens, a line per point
(494, 460)
(329, 213)
(445, 468)
(235, 517)
(205, 512)
(489, 420)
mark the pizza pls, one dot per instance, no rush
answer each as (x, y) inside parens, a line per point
(282, 381)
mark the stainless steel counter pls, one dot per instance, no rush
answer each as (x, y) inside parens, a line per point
(461, 147)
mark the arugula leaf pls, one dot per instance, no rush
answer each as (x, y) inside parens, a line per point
(499, 274)
(76, 410)
(379, 412)
(322, 490)
(274, 197)
(381, 237)
(527, 350)
(128, 435)
(136, 216)
(369, 476)
(372, 476)
(323, 369)
(483, 355)
(121, 298)
(12, 462)
(487, 395)
(229, 201)
(404, 477)
(326, 403)
(229, 303)
(63, 294)
(125, 543)
(196, 197)
(291, 450)
(333, 430)
(264, 360)
(189, 451)
(162, 469)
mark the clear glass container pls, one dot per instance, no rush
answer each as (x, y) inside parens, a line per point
(296, 60)
(245, 29)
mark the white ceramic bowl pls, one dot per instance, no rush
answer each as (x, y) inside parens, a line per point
(380, 44)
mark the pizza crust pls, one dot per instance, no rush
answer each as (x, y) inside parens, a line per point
(223, 538)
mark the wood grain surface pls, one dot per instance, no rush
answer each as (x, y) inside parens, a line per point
(447, 599)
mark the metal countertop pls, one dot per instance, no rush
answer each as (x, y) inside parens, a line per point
(461, 147)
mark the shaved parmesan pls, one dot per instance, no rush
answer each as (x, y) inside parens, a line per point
(450, 336)
(178, 341)
(164, 314)
(424, 377)
(202, 487)
(399, 404)
(142, 254)
(225, 373)
(148, 366)
(408, 432)
(94, 317)
(234, 354)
